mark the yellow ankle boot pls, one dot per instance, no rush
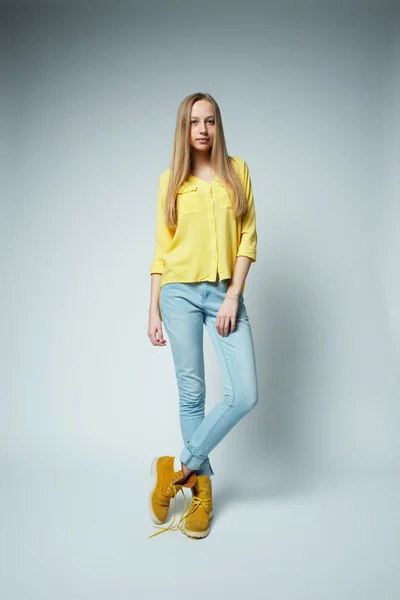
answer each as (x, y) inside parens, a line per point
(195, 523)
(169, 480)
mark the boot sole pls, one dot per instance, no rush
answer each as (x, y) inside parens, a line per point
(198, 534)
(153, 471)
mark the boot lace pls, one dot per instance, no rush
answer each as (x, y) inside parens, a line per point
(172, 490)
(194, 505)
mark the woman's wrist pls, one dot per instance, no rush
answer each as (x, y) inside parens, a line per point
(234, 295)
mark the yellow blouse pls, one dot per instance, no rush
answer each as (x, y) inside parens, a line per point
(208, 237)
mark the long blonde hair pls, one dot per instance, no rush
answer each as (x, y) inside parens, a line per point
(180, 166)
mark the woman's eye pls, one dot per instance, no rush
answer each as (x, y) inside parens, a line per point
(210, 121)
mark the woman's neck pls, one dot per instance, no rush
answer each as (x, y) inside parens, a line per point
(200, 161)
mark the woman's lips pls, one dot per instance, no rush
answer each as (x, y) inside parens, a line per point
(203, 140)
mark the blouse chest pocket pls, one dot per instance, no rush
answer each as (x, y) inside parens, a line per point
(188, 200)
(225, 201)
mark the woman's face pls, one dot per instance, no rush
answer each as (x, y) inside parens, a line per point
(202, 126)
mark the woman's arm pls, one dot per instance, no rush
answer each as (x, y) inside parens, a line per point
(240, 272)
(154, 293)
(164, 234)
(248, 239)
(163, 239)
(247, 250)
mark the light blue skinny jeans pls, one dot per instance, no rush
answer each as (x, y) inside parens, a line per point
(185, 308)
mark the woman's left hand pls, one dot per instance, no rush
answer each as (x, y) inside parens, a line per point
(226, 316)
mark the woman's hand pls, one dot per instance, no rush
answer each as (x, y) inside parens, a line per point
(154, 330)
(226, 316)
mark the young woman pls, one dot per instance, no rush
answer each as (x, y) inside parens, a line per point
(205, 242)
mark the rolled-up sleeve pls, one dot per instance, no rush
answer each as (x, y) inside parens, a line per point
(164, 234)
(248, 240)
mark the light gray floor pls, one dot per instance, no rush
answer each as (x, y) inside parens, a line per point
(81, 531)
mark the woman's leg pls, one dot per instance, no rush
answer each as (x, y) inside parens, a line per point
(183, 318)
(237, 358)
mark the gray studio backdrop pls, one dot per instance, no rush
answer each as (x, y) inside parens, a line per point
(310, 96)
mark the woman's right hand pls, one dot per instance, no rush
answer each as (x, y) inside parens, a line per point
(154, 330)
